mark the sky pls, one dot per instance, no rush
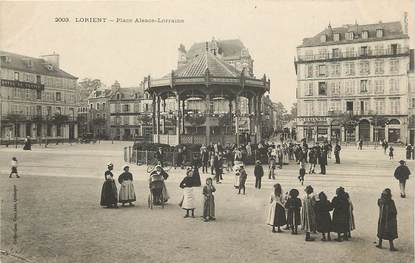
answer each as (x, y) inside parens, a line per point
(126, 52)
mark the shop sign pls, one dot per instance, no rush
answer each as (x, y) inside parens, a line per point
(21, 84)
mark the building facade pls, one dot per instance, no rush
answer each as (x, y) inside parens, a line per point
(411, 100)
(98, 115)
(352, 83)
(37, 99)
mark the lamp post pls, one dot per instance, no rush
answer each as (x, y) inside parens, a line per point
(1, 114)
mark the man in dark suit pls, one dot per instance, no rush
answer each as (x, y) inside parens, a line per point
(337, 150)
(323, 160)
(159, 156)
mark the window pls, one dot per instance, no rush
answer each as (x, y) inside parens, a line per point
(349, 87)
(117, 108)
(118, 96)
(363, 85)
(349, 68)
(379, 86)
(126, 108)
(90, 106)
(308, 55)
(364, 51)
(379, 50)
(309, 71)
(126, 120)
(322, 53)
(103, 105)
(309, 110)
(379, 67)
(39, 110)
(146, 107)
(350, 35)
(322, 70)
(322, 107)
(322, 89)
(365, 34)
(336, 37)
(394, 66)
(335, 69)
(380, 106)
(349, 105)
(379, 32)
(393, 86)
(49, 110)
(58, 110)
(336, 53)
(16, 75)
(323, 38)
(364, 68)
(350, 52)
(394, 49)
(58, 96)
(364, 107)
(395, 106)
(309, 89)
(98, 115)
(38, 94)
(335, 88)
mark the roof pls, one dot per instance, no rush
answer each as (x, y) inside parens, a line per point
(391, 30)
(39, 65)
(127, 93)
(207, 61)
(229, 49)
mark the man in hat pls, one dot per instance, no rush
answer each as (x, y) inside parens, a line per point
(402, 174)
(337, 150)
(258, 172)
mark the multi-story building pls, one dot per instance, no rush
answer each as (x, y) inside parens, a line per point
(411, 100)
(352, 83)
(98, 115)
(37, 98)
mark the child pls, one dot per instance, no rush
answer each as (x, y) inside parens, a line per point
(351, 217)
(391, 153)
(293, 205)
(323, 218)
(276, 212)
(308, 216)
(302, 173)
(209, 201)
(387, 223)
(14, 168)
(242, 179)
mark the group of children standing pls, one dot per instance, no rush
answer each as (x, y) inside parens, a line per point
(312, 213)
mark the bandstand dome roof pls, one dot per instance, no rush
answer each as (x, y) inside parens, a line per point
(207, 61)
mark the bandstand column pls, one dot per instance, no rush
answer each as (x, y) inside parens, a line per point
(164, 117)
(237, 113)
(154, 117)
(183, 129)
(371, 132)
(249, 116)
(158, 119)
(258, 123)
(357, 133)
(178, 118)
(230, 114)
(208, 112)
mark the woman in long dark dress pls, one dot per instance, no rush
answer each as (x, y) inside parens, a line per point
(293, 206)
(322, 210)
(340, 204)
(109, 197)
(387, 223)
(127, 193)
(208, 201)
(188, 200)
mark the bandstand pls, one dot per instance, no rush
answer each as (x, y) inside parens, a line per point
(207, 78)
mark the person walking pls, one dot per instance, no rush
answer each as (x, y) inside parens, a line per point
(14, 168)
(259, 173)
(351, 222)
(322, 209)
(242, 179)
(337, 150)
(217, 168)
(127, 193)
(308, 217)
(391, 152)
(340, 214)
(188, 199)
(205, 160)
(293, 206)
(360, 144)
(408, 151)
(387, 223)
(301, 173)
(323, 160)
(280, 154)
(385, 146)
(272, 165)
(276, 211)
(208, 200)
(312, 158)
(109, 194)
(402, 173)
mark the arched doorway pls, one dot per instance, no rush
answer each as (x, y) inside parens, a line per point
(364, 130)
(394, 133)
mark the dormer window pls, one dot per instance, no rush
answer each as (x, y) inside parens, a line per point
(336, 37)
(118, 96)
(350, 35)
(379, 32)
(323, 38)
(365, 34)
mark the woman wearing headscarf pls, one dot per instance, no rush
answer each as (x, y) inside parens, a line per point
(109, 195)
(307, 213)
(387, 223)
(341, 215)
(188, 200)
(276, 211)
(127, 193)
(322, 209)
(157, 177)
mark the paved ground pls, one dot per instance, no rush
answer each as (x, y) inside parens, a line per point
(59, 218)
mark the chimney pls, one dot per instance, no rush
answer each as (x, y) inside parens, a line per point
(405, 23)
(52, 59)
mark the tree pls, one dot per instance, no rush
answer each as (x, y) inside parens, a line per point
(87, 85)
(293, 111)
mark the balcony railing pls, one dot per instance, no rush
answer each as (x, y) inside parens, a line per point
(371, 53)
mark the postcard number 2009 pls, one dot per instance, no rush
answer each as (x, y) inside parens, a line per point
(61, 19)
